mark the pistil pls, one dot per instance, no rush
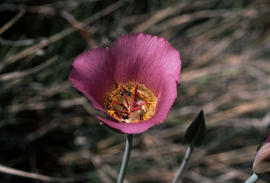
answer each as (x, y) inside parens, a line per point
(125, 97)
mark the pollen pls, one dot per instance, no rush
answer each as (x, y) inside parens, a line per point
(131, 102)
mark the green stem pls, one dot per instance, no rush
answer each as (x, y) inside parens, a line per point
(125, 158)
(252, 179)
(183, 164)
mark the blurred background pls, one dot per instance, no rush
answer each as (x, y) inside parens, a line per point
(46, 126)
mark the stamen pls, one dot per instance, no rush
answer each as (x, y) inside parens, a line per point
(142, 95)
(135, 94)
(125, 97)
(122, 105)
(138, 107)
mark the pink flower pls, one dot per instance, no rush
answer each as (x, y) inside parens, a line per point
(134, 82)
(261, 163)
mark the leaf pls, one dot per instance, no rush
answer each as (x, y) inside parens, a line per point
(196, 131)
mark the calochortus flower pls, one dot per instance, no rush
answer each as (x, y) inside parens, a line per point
(134, 82)
(261, 164)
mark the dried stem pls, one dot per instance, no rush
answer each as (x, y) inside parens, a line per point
(36, 176)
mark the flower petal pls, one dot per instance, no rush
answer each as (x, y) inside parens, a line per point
(166, 99)
(143, 58)
(91, 76)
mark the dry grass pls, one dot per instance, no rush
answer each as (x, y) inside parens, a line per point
(48, 128)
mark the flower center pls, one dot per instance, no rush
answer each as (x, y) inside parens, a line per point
(131, 102)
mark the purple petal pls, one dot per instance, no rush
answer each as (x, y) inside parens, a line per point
(143, 58)
(166, 99)
(91, 76)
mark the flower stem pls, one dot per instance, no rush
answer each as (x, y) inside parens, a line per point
(125, 158)
(183, 164)
(252, 179)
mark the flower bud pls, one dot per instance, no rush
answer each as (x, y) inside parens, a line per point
(261, 164)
